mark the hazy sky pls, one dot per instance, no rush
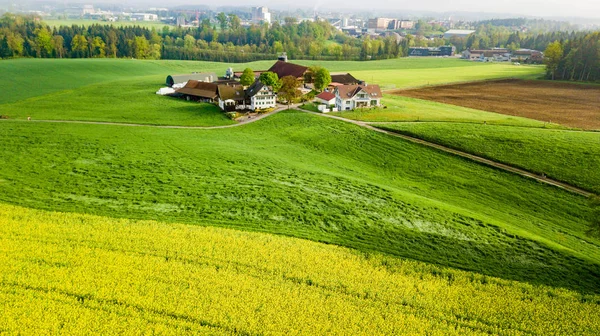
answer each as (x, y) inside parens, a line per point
(539, 8)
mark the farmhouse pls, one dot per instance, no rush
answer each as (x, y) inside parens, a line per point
(283, 68)
(256, 97)
(261, 96)
(231, 98)
(208, 77)
(343, 78)
(349, 97)
(327, 98)
(199, 91)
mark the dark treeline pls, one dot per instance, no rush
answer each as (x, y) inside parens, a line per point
(27, 36)
(575, 59)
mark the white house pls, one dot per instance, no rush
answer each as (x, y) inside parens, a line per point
(261, 96)
(350, 97)
(327, 98)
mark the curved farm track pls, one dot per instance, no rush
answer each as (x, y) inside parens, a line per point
(570, 104)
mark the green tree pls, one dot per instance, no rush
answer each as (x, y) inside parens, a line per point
(98, 47)
(270, 79)
(43, 40)
(552, 57)
(222, 18)
(189, 42)
(59, 46)
(5, 50)
(247, 77)
(79, 45)
(234, 22)
(289, 89)
(321, 78)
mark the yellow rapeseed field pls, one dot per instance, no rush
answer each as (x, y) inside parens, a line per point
(63, 273)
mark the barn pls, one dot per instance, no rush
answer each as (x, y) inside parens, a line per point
(208, 77)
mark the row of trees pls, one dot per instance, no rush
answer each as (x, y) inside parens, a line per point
(576, 59)
(27, 36)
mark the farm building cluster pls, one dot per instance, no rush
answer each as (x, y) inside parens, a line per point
(344, 92)
(504, 55)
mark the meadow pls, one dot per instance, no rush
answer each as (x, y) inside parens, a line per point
(299, 175)
(293, 224)
(146, 277)
(405, 109)
(110, 102)
(565, 155)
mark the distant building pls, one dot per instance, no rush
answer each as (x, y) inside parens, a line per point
(458, 32)
(527, 56)
(88, 9)
(261, 14)
(208, 77)
(350, 97)
(406, 24)
(379, 23)
(144, 17)
(439, 51)
(488, 55)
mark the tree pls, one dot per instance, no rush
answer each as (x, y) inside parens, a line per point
(222, 18)
(59, 46)
(98, 47)
(289, 89)
(79, 45)
(234, 22)
(5, 50)
(321, 78)
(270, 79)
(553, 55)
(43, 40)
(247, 77)
(189, 42)
(594, 227)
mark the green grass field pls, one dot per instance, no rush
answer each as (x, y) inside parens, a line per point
(398, 108)
(138, 103)
(568, 156)
(89, 274)
(325, 180)
(430, 243)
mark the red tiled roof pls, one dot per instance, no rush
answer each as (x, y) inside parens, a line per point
(326, 96)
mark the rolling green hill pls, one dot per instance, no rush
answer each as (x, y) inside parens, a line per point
(565, 155)
(173, 231)
(300, 175)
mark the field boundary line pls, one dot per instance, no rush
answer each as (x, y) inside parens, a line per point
(466, 155)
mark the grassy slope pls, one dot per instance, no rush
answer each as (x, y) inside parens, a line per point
(137, 103)
(409, 109)
(21, 77)
(300, 175)
(81, 274)
(569, 156)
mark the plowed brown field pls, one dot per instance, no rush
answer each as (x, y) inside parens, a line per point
(575, 105)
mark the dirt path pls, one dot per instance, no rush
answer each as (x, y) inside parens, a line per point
(472, 157)
(245, 121)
